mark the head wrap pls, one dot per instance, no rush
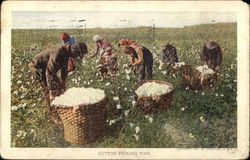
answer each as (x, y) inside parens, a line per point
(97, 38)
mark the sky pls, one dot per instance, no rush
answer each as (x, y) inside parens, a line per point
(94, 19)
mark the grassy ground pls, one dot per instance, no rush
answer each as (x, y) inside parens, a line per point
(196, 119)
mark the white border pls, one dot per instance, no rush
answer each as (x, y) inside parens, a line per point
(242, 10)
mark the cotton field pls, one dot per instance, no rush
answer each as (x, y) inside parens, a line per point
(200, 118)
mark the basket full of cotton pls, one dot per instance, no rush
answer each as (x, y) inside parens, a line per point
(153, 96)
(200, 77)
(83, 113)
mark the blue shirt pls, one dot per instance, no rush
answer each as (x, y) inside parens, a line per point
(70, 41)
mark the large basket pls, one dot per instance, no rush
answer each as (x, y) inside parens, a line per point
(85, 124)
(156, 104)
(191, 78)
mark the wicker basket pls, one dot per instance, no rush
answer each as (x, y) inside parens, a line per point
(156, 104)
(85, 124)
(191, 78)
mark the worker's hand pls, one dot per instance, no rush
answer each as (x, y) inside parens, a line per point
(52, 95)
(62, 88)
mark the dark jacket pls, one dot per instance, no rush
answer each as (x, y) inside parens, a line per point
(50, 61)
(169, 52)
(211, 54)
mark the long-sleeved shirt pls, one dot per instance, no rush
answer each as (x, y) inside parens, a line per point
(103, 46)
(211, 54)
(50, 61)
(140, 55)
(169, 52)
(71, 40)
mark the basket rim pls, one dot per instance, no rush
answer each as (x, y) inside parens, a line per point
(80, 105)
(157, 81)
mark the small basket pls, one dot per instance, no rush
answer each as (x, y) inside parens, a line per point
(191, 78)
(85, 124)
(155, 104)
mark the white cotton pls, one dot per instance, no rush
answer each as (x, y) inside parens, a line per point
(127, 76)
(127, 71)
(204, 69)
(153, 89)
(179, 64)
(77, 96)
(137, 129)
(150, 119)
(118, 106)
(115, 98)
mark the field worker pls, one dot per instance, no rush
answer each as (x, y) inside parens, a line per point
(168, 54)
(211, 55)
(123, 42)
(102, 46)
(49, 67)
(68, 40)
(141, 57)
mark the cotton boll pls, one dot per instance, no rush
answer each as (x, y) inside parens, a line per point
(107, 84)
(136, 137)
(202, 118)
(116, 98)
(191, 135)
(127, 71)
(131, 125)
(137, 129)
(14, 108)
(133, 103)
(160, 68)
(183, 109)
(126, 112)
(150, 119)
(111, 122)
(128, 77)
(118, 106)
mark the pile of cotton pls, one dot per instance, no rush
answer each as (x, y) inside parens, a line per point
(205, 70)
(149, 89)
(79, 96)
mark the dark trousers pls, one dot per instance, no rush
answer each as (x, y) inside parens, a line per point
(146, 69)
(40, 75)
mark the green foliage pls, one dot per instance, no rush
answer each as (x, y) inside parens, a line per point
(198, 118)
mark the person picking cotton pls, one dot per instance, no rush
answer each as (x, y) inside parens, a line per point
(168, 55)
(142, 58)
(47, 65)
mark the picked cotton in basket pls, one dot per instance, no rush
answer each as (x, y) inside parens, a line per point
(179, 64)
(77, 96)
(153, 89)
(205, 70)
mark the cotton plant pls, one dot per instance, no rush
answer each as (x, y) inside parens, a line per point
(150, 118)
